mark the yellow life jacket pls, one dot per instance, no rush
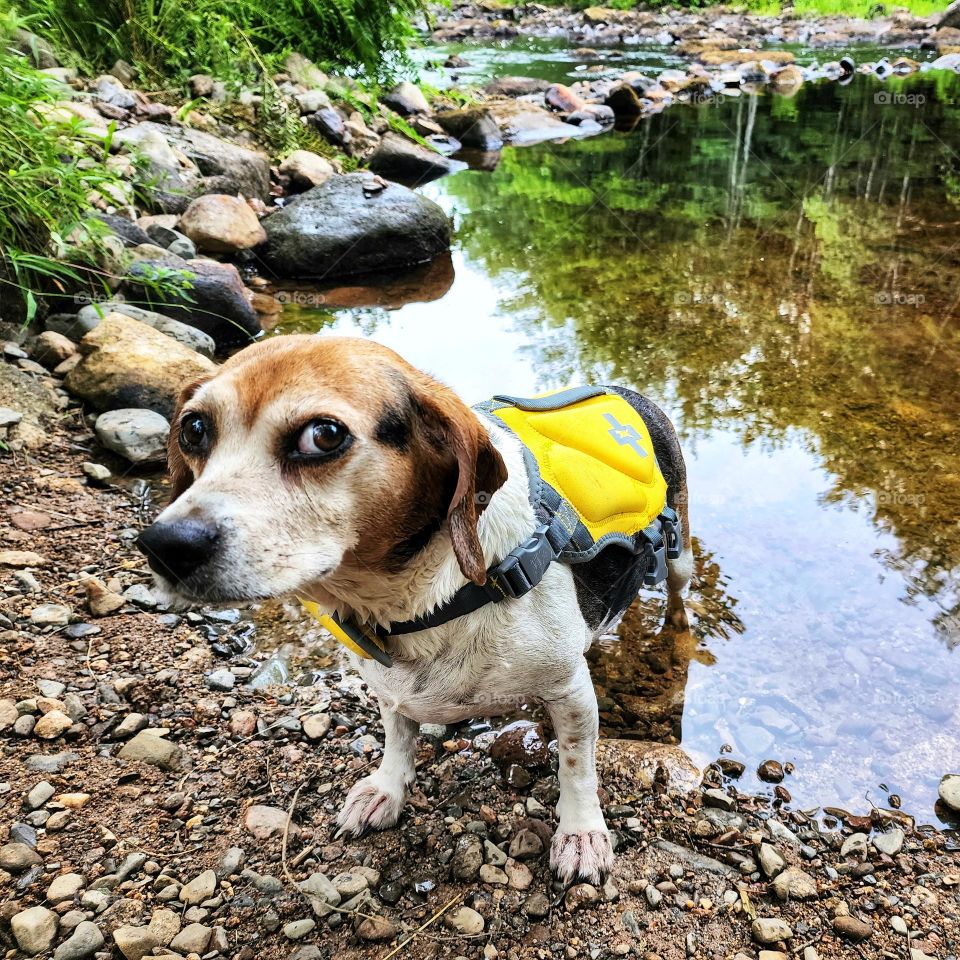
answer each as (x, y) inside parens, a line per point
(594, 483)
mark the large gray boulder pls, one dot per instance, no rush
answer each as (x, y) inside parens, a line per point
(950, 16)
(226, 167)
(353, 224)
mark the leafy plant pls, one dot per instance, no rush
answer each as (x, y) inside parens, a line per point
(50, 163)
(173, 38)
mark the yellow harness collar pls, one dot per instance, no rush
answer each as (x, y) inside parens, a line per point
(594, 483)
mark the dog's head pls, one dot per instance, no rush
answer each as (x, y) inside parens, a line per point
(306, 458)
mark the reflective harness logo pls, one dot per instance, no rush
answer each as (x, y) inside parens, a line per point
(625, 434)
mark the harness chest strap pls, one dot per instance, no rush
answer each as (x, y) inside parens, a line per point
(595, 482)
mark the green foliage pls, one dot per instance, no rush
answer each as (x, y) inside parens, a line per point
(50, 162)
(173, 38)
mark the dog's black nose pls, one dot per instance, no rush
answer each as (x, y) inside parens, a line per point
(176, 549)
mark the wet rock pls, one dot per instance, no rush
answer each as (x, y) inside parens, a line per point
(465, 921)
(400, 159)
(794, 884)
(770, 771)
(139, 436)
(647, 762)
(85, 940)
(406, 99)
(265, 822)
(35, 930)
(581, 895)
(522, 742)
(852, 928)
(218, 223)
(157, 751)
(330, 125)
(624, 102)
(91, 315)
(216, 301)
(306, 169)
(770, 930)
(127, 364)
(339, 228)
(949, 791)
(474, 127)
(17, 857)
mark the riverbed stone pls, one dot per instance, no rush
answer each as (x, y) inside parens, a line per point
(85, 940)
(91, 315)
(139, 436)
(193, 938)
(406, 99)
(889, 841)
(400, 159)
(306, 169)
(852, 928)
(157, 751)
(794, 884)
(64, 887)
(17, 857)
(465, 921)
(949, 791)
(35, 930)
(474, 127)
(770, 930)
(199, 889)
(351, 224)
(128, 365)
(218, 223)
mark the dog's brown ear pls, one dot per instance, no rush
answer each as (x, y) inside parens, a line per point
(480, 472)
(181, 476)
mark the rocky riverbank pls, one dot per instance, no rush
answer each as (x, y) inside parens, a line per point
(167, 793)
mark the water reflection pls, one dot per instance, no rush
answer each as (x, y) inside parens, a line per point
(780, 273)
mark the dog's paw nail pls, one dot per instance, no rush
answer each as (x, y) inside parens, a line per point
(585, 855)
(369, 806)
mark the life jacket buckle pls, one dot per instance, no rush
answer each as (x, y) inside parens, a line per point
(672, 537)
(523, 568)
(654, 551)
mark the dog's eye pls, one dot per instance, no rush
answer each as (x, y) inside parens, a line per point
(321, 438)
(193, 432)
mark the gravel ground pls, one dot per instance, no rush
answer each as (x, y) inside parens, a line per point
(161, 797)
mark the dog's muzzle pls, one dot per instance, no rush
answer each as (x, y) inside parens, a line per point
(178, 548)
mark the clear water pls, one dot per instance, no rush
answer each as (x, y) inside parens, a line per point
(781, 275)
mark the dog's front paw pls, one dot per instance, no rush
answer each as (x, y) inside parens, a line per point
(371, 804)
(586, 854)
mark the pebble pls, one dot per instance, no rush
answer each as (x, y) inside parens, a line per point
(316, 725)
(794, 884)
(222, 679)
(494, 854)
(199, 889)
(771, 863)
(653, 896)
(719, 799)
(51, 688)
(85, 941)
(519, 876)
(581, 895)
(855, 846)
(537, 906)
(131, 724)
(50, 615)
(889, 841)
(134, 942)
(466, 921)
(526, 845)
(899, 925)
(467, 857)
(35, 930)
(770, 930)
(39, 795)
(64, 887)
(164, 925)
(852, 928)
(96, 471)
(193, 938)
(298, 929)
(52, 725)
(493, 875)
(157, 751)
(375, 929)
(349, 884)
(17, 857)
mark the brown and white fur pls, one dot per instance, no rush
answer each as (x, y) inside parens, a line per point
(426, 496)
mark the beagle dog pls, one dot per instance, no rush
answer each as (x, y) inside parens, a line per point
(330, 469)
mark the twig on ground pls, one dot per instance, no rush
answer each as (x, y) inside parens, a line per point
(416, 933)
